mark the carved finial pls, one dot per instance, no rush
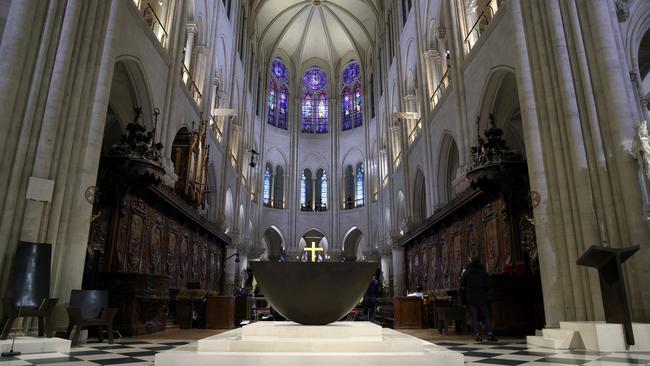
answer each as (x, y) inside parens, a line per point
(138, 114)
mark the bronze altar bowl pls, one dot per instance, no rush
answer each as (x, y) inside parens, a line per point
(313, 293)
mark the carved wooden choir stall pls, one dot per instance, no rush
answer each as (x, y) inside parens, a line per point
(492, 221)
(148, 241)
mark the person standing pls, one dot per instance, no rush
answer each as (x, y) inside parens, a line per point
(370, 299)
(475, 285)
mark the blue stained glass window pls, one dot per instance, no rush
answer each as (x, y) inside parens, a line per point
(352, 113)
(278, 95)
(282, 108)
(315, 102)
(360, 186)
(347, 109)
(351, 73)
(267, 186)
(315, 79)
(358, 116)
(303, 190)
(323, 190)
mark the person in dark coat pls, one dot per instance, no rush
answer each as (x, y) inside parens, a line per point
(370, 298)
(475, 285)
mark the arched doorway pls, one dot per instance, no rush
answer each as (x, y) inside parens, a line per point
(274, 243)
(316, 239)
(351, 242)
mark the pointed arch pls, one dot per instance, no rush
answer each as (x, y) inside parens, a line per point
(419, 198)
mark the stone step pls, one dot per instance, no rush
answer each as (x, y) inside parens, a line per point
(540, 341)
(170, 358)
(344, 345)
(566, 339)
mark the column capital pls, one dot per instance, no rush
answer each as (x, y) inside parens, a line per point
(432, 53)
(441, 33)
(191, 28)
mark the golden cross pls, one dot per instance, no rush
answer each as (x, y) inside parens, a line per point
(313, 250)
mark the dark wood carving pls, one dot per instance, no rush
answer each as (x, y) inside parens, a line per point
(152, 237)
(477, 224)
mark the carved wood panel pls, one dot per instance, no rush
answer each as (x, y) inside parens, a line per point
(150, 240)
(482, 229)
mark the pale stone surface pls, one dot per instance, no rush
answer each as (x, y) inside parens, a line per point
(27, 345)
(287, 343)
(641, 337)
(598, 336)
(556, 339)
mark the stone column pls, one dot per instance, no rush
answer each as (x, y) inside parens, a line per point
(386, 262)
(231, 268)
(399, 284)
(430, 57)
(189, 44)
(552, 285)
(606, 50)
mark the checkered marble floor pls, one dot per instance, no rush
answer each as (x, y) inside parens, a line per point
(509, 353)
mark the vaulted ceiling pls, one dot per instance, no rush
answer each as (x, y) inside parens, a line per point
(326, 29)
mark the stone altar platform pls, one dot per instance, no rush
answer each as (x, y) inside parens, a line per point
(288, 343)
(27, 345)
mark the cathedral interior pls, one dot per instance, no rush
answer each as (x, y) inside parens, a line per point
(155, 148)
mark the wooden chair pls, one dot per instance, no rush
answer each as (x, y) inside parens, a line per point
(43, 312)
(89, 308)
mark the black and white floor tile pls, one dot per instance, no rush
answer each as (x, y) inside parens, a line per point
(124, 353)
(507, 353)
(510, 353)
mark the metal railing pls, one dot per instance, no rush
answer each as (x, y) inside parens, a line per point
(440, 90)
(153, 22)
(274, 204)
(309, 207)
(481, 24)
(214, 124)
(350, 204)
(416, 131)
(233, 159)
(191, 85)
(397, 160)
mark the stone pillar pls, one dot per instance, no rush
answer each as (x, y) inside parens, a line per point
(189, 44)
(54, 88)
(552, 286)
(386, 262)
(431, 56)
(231, 269)
(399, 280)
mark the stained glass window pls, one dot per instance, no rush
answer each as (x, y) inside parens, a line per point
(347, 109)
(282, 108)
(267, 186)
(352, 97)
(303, 190)
(323, 191)
(358, 116)
(315, 102)
(360, 186)
(278, 95)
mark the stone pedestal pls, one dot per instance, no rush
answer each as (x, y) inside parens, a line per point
(288, 343)
(28, 345)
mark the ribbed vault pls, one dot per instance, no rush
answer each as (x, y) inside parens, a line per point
(327, 29)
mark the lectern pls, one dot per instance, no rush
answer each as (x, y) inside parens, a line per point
(609, 262)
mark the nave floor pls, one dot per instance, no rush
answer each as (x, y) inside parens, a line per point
(140, 351)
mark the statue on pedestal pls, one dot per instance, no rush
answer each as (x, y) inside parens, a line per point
(641, 152)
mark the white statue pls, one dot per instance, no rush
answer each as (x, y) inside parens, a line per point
(641, 148)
